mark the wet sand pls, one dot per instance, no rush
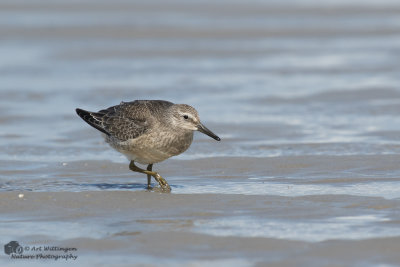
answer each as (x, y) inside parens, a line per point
(121, 228)
(294, 217)
(304, 94)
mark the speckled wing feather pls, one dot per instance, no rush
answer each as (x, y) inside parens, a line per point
(125, 121)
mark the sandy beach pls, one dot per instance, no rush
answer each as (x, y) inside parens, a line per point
(122, 228)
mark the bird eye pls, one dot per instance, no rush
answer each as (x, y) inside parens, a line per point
(185, 117)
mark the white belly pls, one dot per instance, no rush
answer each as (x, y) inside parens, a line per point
(145, 156)
(160, 147)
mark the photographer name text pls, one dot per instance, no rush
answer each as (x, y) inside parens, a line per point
(45, 253)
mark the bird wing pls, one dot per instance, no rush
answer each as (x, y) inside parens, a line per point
(125, 121)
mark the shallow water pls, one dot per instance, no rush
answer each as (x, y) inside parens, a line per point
(304, 94)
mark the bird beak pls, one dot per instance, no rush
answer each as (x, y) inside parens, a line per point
(203, 129)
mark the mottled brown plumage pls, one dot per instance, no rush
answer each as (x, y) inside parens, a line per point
(147, 131)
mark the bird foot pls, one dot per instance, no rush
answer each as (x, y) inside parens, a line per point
(162, 182)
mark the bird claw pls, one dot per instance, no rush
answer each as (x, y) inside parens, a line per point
(162, 182)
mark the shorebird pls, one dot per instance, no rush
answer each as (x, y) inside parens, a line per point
(147, 132)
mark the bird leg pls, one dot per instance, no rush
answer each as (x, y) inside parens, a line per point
(161, 181)
(149, 168)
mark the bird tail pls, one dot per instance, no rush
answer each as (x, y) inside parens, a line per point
(93, 119)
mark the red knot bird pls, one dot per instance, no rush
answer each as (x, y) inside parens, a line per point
(147, 131)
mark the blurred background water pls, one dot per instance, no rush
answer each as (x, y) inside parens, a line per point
(273, 78)
(304, 94)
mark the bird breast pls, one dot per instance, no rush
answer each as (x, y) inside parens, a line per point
(175, 144)
(153, 147)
